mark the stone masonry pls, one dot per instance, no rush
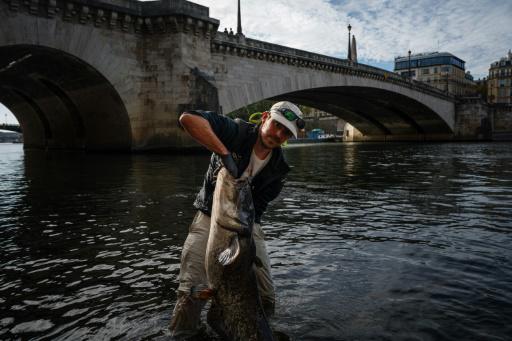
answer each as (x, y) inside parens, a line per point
(116, 74)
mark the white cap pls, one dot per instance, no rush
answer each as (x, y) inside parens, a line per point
(275, 114)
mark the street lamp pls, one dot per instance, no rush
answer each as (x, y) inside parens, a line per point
(447, 87)
(410, 75)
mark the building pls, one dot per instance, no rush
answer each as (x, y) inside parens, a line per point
(329, 125)
(316, 119)
(441, 70)
(499, 82)
(481, 88)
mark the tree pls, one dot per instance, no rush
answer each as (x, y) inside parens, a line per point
(250, 109)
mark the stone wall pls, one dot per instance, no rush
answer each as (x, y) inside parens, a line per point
(154, 60)
(477, 120)
(502, 122)
(473, 120)
(154, 56)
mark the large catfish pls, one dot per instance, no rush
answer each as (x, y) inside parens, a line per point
(236, 312)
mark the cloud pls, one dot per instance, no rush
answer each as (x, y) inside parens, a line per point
(6, 115)
(476, 31)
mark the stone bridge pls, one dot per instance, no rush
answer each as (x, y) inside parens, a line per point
(115, 75)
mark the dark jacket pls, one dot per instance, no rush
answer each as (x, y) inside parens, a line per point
(239, 137)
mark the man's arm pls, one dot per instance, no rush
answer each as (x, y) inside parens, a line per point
(201, 131)
(213, 132)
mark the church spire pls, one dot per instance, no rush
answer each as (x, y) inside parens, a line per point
(239, 27)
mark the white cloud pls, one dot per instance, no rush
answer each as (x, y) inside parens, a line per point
(6, 115)
(477, 31)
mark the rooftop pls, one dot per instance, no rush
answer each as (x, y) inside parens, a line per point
(504, 61)
(424, 55)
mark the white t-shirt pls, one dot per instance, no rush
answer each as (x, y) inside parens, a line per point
(255, 165)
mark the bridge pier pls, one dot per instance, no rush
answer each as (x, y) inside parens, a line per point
(116, 74)
(105, 75)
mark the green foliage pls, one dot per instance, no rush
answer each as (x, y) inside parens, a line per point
(260, 106)
(246, 111)
(481, 89)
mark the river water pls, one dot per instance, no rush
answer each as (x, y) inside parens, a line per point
(367, 242)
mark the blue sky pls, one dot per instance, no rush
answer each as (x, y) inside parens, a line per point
(477, 31)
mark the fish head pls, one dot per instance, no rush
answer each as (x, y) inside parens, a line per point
(234, 203)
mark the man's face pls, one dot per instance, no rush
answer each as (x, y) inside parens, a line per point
(272, 133)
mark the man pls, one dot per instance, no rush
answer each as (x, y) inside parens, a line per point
(245, 150)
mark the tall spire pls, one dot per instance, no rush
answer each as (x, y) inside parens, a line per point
(353, 50)
(239, 27)
(349, 50)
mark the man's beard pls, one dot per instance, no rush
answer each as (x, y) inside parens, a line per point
(275, 143)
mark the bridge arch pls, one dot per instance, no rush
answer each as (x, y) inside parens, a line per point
(61, 101)
(373, 111)
(375, 101)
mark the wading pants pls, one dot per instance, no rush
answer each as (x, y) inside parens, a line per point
(186, 315)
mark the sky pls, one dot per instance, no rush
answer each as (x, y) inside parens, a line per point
(477, 31)
(6, 116)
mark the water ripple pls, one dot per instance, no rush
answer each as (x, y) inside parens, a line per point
(367, 241)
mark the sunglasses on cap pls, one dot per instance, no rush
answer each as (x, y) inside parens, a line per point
(291, 116)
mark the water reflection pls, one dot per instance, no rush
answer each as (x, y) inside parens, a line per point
(94, 244)
(367, 241)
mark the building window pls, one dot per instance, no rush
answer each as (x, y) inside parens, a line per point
(502, 82)
(435, 70)
(445, 69)
(425, 71)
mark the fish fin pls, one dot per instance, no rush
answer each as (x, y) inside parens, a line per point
(201, 292)
(229, 255)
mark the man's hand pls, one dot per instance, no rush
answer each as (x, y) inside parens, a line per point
(229, 164)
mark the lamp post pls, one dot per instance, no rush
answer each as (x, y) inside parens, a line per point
(410, 76)
(447, 86)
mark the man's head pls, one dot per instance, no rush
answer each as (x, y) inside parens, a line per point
(282, 122)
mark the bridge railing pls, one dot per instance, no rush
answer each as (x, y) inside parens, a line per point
(141, 17)
(229, 43)
(150, 8)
